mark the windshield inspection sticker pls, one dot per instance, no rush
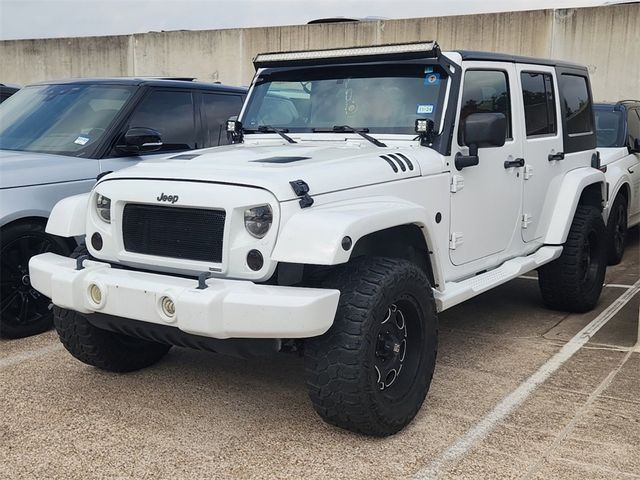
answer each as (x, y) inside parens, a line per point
(81, 140)
(432, 79)
(424, 109)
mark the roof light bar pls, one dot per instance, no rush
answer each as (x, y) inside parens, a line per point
(427, 49)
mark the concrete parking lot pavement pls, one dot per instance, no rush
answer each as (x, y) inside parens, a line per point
(517, 394)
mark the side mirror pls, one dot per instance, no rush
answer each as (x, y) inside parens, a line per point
(484, 130)
(481, 130)
(140, 140)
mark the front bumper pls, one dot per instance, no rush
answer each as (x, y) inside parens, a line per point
(226, 309)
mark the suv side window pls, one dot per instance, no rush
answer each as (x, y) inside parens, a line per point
(171, 113)
(577, 104)
(539, 103)
(218, 107)
(485, 91)
(633, 126)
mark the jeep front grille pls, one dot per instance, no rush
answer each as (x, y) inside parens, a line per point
(189, 233)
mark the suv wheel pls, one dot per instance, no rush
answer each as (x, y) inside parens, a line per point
(101, 348)
(23, 310)
(617, 230)
(574, 281)
(371, 371)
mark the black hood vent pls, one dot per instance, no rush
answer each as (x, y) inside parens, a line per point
(185, 156)
(398, 160)
(281, 159)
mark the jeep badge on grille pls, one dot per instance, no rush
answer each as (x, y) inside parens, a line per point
(167, 198)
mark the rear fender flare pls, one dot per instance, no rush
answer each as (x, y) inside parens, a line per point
(573, 185)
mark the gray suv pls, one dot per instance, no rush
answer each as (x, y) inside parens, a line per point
(57, 137)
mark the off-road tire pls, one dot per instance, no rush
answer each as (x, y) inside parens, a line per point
(342, 380)
(617, 230)
(573, 282)
(100, 348)
(23, 310)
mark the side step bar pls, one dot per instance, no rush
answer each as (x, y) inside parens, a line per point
(457, 292)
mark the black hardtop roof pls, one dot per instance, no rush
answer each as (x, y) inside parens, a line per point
(147, 81)
(506, 57)
(435, 51)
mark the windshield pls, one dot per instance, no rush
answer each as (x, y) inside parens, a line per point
(61, 119)
(609, 127)
(381, 98)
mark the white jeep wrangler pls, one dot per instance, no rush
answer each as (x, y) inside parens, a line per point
(367, 189)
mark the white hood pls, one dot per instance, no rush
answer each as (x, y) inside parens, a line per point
(325, 168)
(19, 169)
(609, 155)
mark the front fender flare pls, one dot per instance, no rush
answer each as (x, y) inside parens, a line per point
(314, 236)
(68, 217)
(573, 184)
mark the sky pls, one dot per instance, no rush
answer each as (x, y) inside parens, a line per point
(20, 19)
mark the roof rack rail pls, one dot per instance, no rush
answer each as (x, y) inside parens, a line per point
(179, 79)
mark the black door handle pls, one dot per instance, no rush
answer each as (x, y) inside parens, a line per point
(556, 156)
(518, 162)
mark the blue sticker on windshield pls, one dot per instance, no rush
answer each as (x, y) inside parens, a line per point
(425, 109)
(432, 78)
(428, 69)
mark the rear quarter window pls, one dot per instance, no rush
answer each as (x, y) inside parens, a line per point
(576, 108)
(577, 104)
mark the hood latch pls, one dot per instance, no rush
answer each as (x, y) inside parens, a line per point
(301, 189)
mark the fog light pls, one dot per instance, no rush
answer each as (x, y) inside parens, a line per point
(255, 260)
(96, 241)
(168, 307)
(95, 293)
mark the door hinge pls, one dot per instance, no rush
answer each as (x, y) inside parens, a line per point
(457, 183)
(455, 240)
(528, 172)
(526, 220)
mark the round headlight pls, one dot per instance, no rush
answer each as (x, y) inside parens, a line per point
(103, 207)
(257, 220)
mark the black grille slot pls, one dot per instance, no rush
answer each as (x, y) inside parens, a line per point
(189, 233)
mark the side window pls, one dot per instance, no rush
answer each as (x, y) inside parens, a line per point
(171, 114)
(633, 126)
(217, 110)
(485, 91)
(539, 103)
(577, 104)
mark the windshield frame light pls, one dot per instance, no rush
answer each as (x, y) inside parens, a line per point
(103, 207)
(428, 48)
(258, 220)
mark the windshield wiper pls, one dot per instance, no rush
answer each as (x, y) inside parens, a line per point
(346, 128)
(280, 131)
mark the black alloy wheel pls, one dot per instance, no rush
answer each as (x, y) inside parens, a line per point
(23, 310)
(617, 230)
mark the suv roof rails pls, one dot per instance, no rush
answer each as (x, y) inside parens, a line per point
(180, 79)
(332, 20)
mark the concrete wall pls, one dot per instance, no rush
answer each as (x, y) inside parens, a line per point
(607, 39)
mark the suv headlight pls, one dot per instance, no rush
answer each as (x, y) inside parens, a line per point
(103, 207)
(257, 220)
